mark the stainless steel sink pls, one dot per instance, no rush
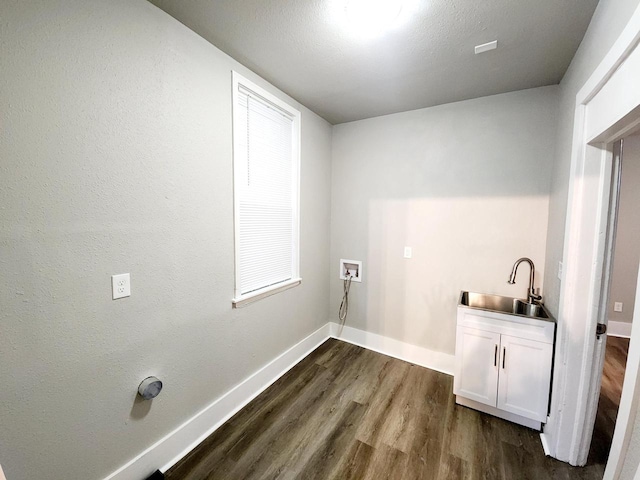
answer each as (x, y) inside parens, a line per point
(509, 305)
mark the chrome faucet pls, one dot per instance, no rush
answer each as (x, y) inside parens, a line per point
(531, 294)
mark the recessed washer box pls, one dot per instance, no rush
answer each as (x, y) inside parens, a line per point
(352, 268)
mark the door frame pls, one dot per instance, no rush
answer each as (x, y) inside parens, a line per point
(607, 108)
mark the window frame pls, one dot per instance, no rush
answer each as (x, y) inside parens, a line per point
(240, 299)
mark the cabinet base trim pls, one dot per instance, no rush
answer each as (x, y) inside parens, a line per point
(511, 417)
(545, 444)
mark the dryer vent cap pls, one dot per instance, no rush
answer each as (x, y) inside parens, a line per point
(149, 388)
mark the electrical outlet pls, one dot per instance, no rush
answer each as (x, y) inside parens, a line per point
(617, 306)
(121, 286)
(407, 252)
(559, 270)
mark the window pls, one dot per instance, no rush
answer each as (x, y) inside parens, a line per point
(266, 158)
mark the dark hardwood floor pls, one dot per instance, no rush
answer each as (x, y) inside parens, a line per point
(615, 361)
(349, 413)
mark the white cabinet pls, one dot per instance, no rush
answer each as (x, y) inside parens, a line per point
(477, 380)
(525, 374)
(503, 365)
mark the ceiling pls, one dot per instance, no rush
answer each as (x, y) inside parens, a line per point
(308, 49)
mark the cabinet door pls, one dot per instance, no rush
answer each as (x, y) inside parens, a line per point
(525, 375)
(476, 375)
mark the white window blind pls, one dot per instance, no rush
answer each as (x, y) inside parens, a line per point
(266, 159)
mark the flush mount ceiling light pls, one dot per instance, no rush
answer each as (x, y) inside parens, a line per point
(372, 17)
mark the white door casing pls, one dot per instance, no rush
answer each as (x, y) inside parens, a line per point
(607, 107)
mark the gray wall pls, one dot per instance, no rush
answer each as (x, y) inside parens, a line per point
(624, 275)
(115, 153)
(607, 23)
(609, 19)
(465, 185)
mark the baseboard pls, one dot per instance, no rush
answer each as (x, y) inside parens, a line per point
(438, 361)
(619, 329)
(187, 436)
(190, 434)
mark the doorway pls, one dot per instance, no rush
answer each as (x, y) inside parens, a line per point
(610, 393)
(621, 278)
(607, 109)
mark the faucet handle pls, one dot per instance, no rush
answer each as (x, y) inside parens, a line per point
(533, 295)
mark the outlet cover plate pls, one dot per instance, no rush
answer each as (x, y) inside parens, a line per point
(120, 285)
(560, 266)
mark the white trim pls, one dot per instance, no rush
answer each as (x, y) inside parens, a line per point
(191, 433)
(187, 436)
(259, 91)
(619, 329)
(238, 81)
(618, 53)
(577, 355)
(438, 361)
(265, 292)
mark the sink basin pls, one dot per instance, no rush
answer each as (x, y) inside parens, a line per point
(508, 305)
(528, 309)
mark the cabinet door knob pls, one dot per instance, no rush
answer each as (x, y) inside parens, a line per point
(504, 356)
(495, 356)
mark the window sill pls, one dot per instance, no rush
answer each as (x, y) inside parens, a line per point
(265, 292)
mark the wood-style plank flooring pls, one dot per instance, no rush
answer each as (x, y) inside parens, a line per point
(345, 412)
(615, 361)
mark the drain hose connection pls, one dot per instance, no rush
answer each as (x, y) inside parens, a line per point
(344, 305)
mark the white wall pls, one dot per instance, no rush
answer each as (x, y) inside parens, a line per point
(465, 185)
(607, 23)
(624, 275)
(115, 153)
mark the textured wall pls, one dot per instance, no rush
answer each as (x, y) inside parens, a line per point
(465, 185)
(609, 19)
(425, 59)
(627, 250)
(607, 23)
(116, 156)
